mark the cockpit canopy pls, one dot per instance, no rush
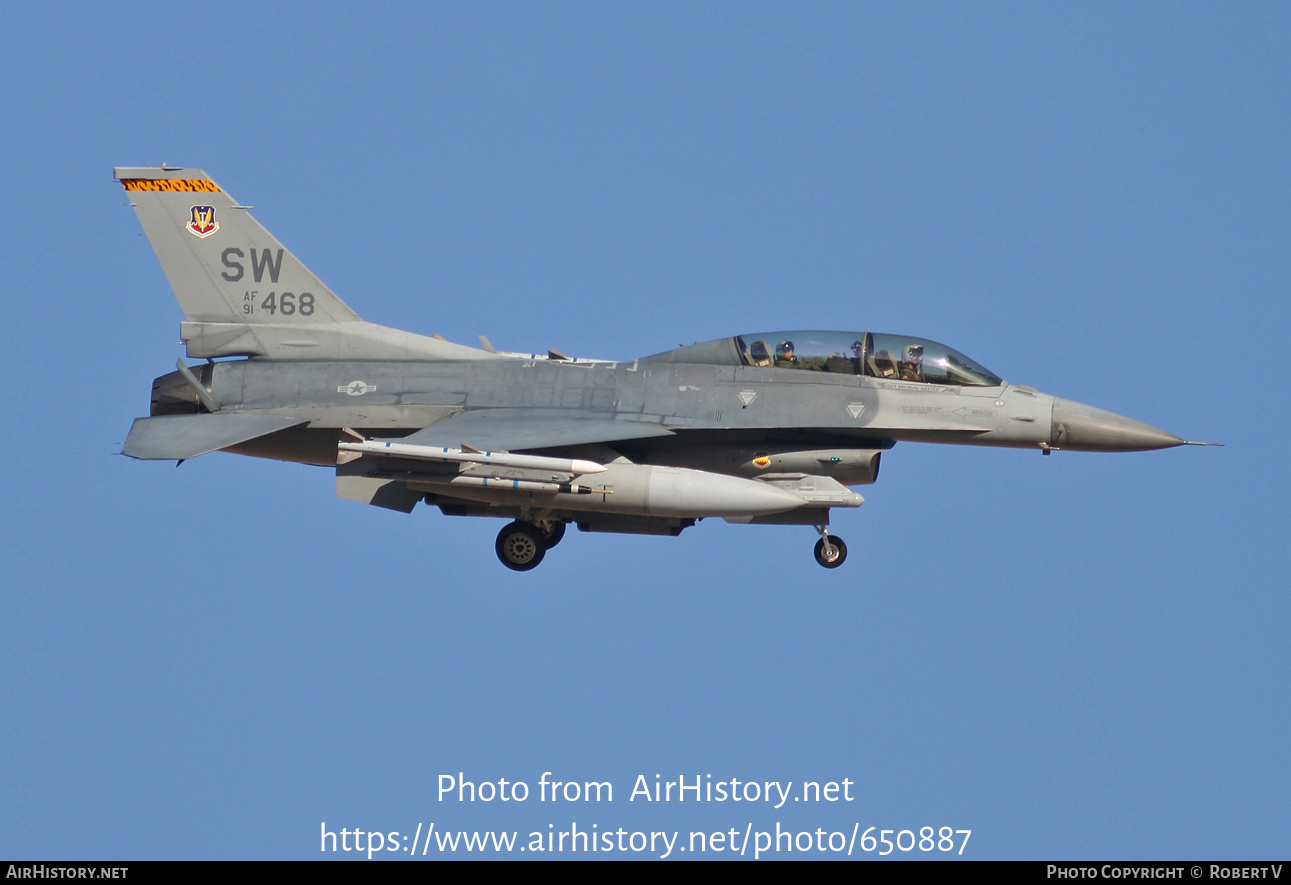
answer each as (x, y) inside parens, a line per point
(896, 357)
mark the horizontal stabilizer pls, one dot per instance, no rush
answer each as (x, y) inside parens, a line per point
(180, 437)
(520, 429)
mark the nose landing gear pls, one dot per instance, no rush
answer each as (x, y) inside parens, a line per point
(830, 552)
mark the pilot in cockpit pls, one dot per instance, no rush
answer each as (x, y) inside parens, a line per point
(912, 363)
(858, 356)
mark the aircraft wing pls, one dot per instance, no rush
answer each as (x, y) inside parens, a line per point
(180, 437)
(510, 430)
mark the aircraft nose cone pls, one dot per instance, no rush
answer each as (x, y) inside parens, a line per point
(1082, 428)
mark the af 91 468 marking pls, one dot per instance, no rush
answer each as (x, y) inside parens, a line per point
(285, 303)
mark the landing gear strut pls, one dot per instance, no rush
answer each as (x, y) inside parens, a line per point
(830, 551)
(551, 530)
(520, 546)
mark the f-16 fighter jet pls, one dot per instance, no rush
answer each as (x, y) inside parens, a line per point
(771, 426)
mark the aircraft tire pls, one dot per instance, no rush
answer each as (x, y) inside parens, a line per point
(520, 546)
(551, 537)
(837, 554)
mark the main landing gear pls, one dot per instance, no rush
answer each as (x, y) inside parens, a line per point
(830, 552)
(522, 545)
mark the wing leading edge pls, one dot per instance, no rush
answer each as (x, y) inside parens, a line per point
(522, 429)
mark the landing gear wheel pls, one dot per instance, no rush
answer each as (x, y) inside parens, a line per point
(831, 551)
(520, 546)
(551, 533)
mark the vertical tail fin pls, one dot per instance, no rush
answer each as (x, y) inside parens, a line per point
(220, 262)
(242, 292)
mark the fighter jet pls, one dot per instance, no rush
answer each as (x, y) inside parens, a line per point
(770, 427)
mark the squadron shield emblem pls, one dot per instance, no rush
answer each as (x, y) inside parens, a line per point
(202, 223)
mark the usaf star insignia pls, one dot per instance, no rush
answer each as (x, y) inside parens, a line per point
(356, 388)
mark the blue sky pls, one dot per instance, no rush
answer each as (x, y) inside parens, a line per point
(1079, 656)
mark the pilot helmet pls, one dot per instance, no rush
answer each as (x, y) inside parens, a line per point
(784, 350)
